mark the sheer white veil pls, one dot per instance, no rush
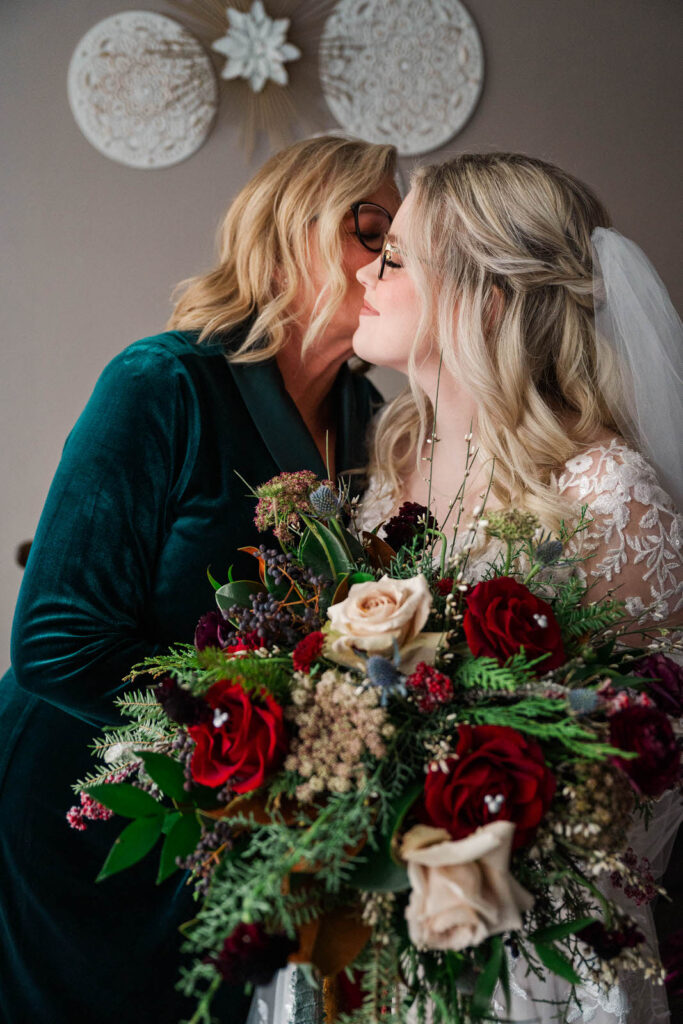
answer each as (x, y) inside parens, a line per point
(634, 314)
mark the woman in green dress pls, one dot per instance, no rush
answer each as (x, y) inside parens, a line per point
(251, 378)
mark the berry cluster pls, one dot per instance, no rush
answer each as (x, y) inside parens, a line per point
(213, 843)
(91, 810)
(281, 618)
(430, 687)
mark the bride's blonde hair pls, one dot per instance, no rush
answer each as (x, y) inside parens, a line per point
(499, 246)
(263, 244)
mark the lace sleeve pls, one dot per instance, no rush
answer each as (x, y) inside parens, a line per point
(632, 547)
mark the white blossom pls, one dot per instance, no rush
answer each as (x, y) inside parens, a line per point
(255, 46)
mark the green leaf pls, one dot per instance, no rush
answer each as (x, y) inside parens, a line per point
(167, 773)
(486, 982)
(379, 872)
(312, 554)
(122, 798)
(338, 561)
(136, 840)
(557, 963)
(360, 577)
(214, 583)
(181, 841)
(169, 821)
(239, 592)
(560, 931)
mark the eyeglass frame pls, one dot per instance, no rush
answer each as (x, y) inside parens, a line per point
(384, 260)
(355, 207)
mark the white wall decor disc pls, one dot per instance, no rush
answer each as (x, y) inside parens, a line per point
(408, 72)
(142, 89)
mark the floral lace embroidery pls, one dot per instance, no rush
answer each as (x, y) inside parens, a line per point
(633, 543)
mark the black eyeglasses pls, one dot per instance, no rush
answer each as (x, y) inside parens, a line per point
(389, 255)
(371, 223)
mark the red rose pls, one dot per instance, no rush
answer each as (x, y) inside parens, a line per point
(496, 775)
(648, 732)
(243, 741)
(503, 616)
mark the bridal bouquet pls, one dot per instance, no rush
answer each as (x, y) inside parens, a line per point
(399, 780)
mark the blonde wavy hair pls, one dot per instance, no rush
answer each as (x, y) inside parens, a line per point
(499, 246)
(264, 244)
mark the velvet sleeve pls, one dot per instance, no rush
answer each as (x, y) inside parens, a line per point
(80, 622)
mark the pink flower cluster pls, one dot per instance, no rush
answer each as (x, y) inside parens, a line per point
(91, 810)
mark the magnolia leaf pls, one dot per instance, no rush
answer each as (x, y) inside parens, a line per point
(259, 557)
(239, 592)
(337, 558)
(312, 554)
(136, 840)
(342, 591)
(124, 799)
(377, 550)
(333, 941)
(167, 773)
(181, 841)
(557, 963)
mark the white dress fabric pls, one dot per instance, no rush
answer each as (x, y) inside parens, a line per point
(633, 549)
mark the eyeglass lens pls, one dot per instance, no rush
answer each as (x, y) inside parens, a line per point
(372, 224)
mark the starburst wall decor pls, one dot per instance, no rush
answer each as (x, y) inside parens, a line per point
(271, 60)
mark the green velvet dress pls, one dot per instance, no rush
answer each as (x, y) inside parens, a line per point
(145, 498)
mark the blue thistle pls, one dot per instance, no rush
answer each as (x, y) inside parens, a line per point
(583, 701)
(548, 552)
(386, 677)
(324, 501)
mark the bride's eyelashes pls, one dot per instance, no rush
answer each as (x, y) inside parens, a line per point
(389, 257)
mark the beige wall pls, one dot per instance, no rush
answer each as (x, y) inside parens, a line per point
(90, 249)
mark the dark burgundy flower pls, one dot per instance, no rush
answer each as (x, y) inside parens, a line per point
(503, 616)
(180, 705)
(408, 523)
(609, 942)
(243, 740)
(497, 774)
(307, 650)
(211, 631)
(430, 686)
(445, 586)
(672, 959)
(667, 692)
(250, 954)
(647, 732)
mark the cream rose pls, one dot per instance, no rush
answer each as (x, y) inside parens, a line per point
(377, 613)
(462, 891)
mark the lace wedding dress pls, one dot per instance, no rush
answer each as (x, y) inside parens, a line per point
(631, 548)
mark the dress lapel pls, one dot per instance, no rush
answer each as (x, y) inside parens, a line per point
(279, 422)
(276, 417)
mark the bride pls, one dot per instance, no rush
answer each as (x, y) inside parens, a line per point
(538, 338)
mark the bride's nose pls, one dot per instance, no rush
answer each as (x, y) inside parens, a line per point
(367, 275)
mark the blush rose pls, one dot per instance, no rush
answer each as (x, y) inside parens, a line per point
(376, 616)
(461, 892)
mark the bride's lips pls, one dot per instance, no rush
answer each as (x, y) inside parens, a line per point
(368, 310)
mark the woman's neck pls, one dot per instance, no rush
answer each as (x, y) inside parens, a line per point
(448, 461)
(309, 382)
